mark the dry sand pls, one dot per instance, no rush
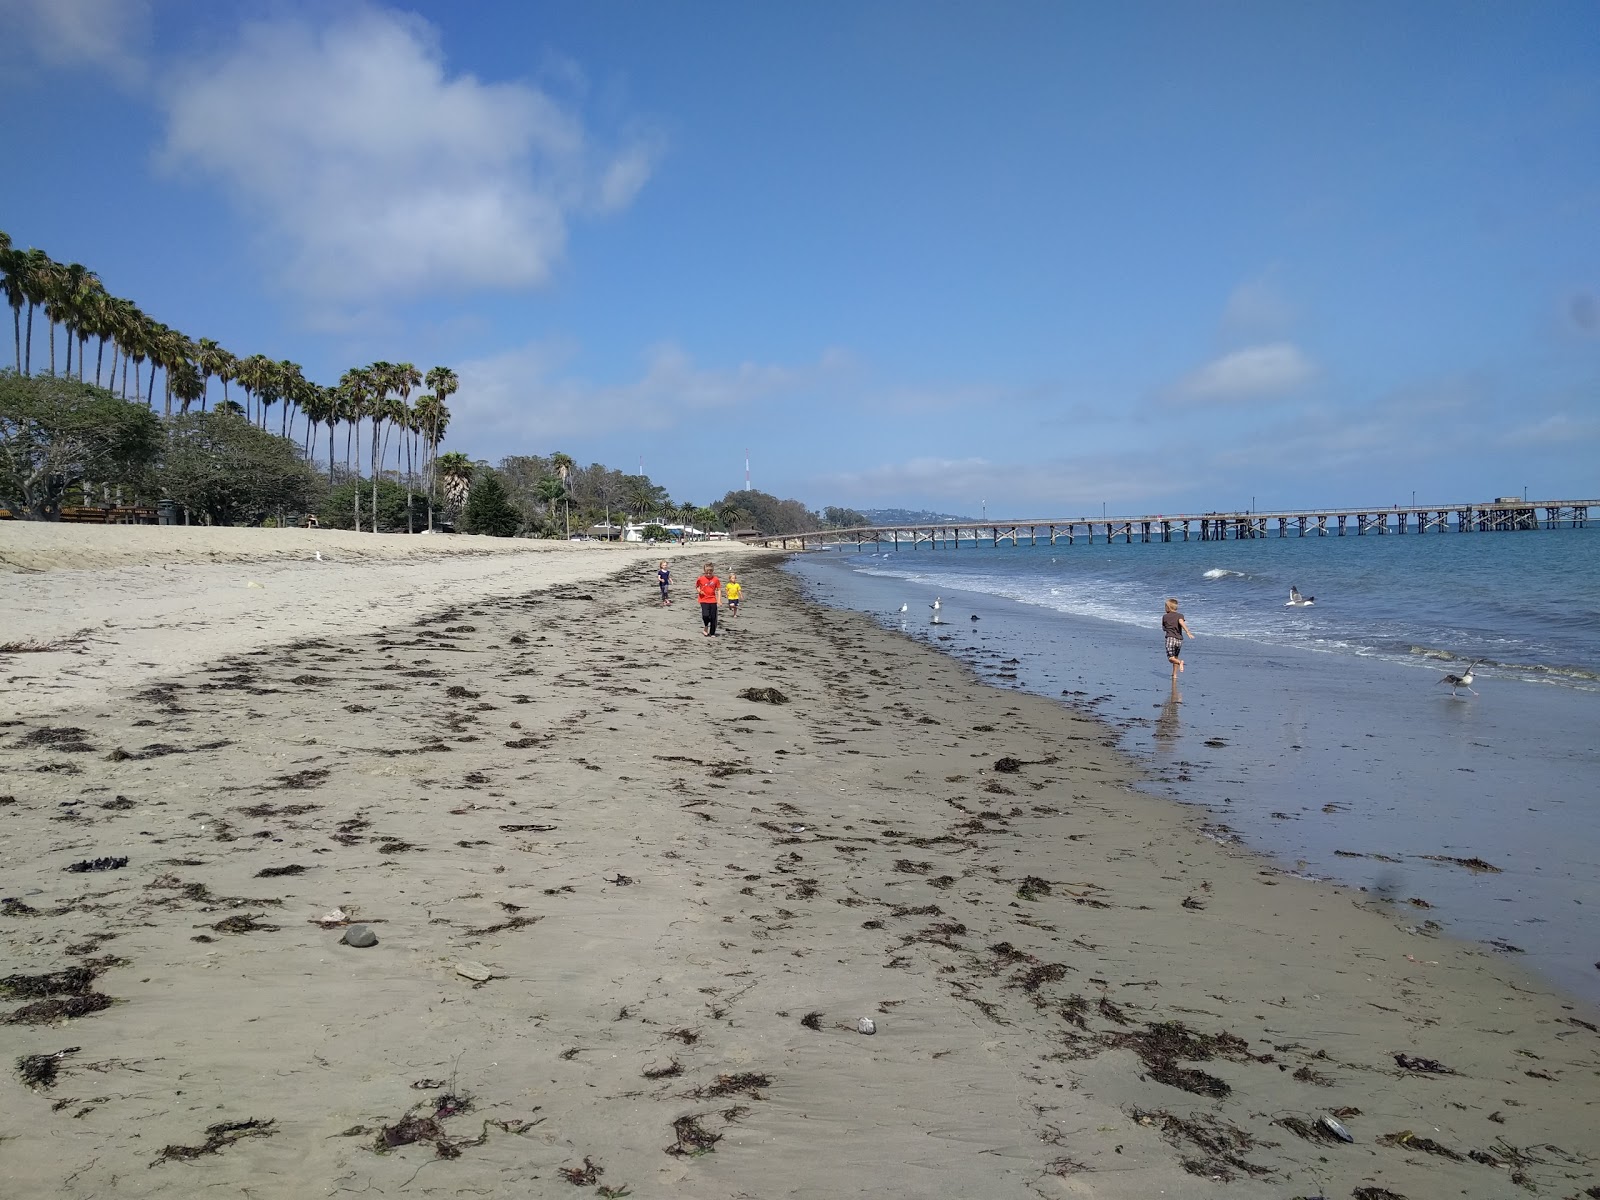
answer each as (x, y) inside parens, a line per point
(125, 604)
(685, 900)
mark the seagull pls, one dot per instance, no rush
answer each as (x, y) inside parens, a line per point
(317, 555)
(1463, 680)
(935, 604)
(1296, 600)
(973, 617)
(903, 608)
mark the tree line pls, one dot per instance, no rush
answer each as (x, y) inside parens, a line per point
(65, 434)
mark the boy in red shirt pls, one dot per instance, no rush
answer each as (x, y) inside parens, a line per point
(708, 587)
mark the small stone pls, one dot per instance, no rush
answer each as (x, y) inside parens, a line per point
(360, 937)
(474, 971)
(866, 1025)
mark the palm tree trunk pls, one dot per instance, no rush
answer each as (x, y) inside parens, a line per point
(411, 525)
(27, 368)
(99, 357)
(16, 331)
(69, 352)
(151, 394)
(377, 426)
(334, 421)
(126, 359)
(52, 344)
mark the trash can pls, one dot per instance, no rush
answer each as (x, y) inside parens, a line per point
(166, 512)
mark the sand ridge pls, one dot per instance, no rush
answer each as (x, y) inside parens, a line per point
(686, 900)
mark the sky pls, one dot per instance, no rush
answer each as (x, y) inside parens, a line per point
(1027, 259)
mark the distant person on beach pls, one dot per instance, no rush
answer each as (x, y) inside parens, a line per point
(664, 578)
(708, 587)
(1176, 629)
(732, 590)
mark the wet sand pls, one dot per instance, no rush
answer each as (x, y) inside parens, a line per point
(684, 900)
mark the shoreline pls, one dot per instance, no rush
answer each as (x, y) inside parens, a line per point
(685, 900)
(1341, 766)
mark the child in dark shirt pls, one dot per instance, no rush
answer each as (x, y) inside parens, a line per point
(1176, 629)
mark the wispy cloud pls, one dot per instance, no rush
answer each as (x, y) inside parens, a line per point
(530, 392)
(1258, 373)
(109, 35)
(1558, 429)
(377, 174)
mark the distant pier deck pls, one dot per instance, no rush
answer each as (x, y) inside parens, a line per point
(1499, 516)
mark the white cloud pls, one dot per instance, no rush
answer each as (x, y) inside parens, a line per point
(378, 175)
(524, 394)
(1267, 372)
(106, 34)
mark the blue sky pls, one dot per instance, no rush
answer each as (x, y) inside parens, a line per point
(1043, 255)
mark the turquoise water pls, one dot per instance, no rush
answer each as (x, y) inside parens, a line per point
(1321, 735)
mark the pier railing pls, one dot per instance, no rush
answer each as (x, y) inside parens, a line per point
(1495, 516)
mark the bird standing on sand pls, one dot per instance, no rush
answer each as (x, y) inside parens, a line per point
(903, 607)
(935, 604)
(1463, 680)
(973, 617)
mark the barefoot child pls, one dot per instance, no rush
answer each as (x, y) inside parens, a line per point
(664, 578)
(1175, 628)
(732, 590)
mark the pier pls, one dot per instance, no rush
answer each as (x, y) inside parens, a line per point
(1499, 516)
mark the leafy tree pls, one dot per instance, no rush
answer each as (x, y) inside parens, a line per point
(655, 533)
(488, 511)
(843, 516)
(337, 506)
(56, 433)
(455, 471)
(222, 466)
(770, 514)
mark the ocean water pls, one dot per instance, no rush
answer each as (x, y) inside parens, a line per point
(1321, 736)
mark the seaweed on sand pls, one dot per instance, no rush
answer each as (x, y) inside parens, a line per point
(513, 923)
(218, 1137)
(70, 981)
(1161, 1044)
(673, 1067)
(1032, 887)
(767, 695)
(38, 1071)
(98, 864)
(274, 872)
(745, 1083)
(692, 1138)
(1222, 1144)
(584, 1176)
(812, 1020)
(68, 739)
(47, 1012)
(244, 923)
(1406, 1140)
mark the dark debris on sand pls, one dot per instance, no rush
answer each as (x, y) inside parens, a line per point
(766, 695)
(70, 981)
(218, 1137)
(692, 1138)
(585, 1176)
(98, 864)
(47, 1012)
(1221, 1144)
(745, 1083)
(1160, 1045)
(38, 1071)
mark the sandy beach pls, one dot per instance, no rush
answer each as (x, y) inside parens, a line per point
(633, 892)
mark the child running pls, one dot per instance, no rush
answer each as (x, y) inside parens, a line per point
(1175, 628)
(707, 587)
(664, 578)
(732, 590)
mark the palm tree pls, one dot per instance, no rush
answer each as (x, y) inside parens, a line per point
(255, 376)
(382, 377)
(444, 383)
(433, 418)
(184, 382)
(36, 272)
(455, 469)
(286, 382)
(550, 489)
(13, 266)
(227, 370)
(356, 393)
(563, 464)
(81, 313)
(208, 357)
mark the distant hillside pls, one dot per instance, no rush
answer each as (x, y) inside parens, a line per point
(908, 516)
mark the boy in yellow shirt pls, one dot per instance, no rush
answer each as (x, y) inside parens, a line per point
(731, 590)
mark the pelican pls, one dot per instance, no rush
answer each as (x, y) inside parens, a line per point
(1463, 680)
(935, 605)
(1296, 600)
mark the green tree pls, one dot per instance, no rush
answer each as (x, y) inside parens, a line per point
(222, 466)
(488, 511)
(56, 433)
(455, 474)
(335, 508)
(434, 419)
